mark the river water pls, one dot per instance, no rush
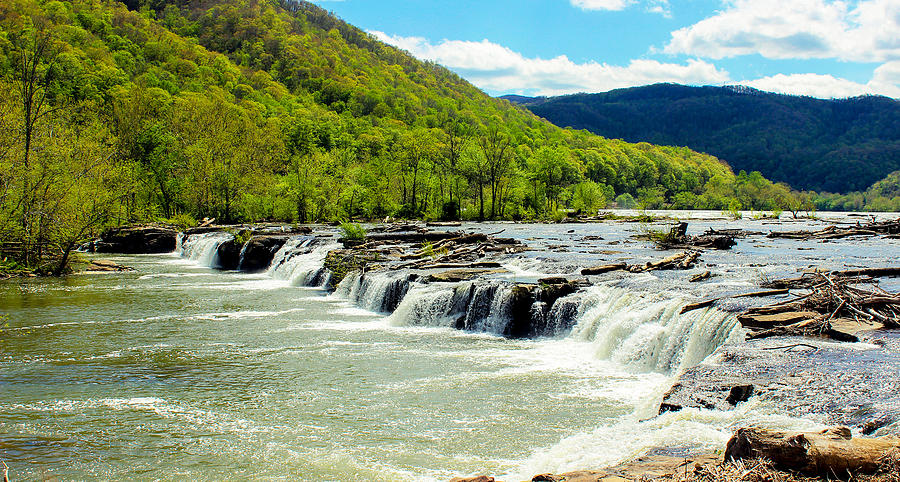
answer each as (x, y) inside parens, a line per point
(179, 371)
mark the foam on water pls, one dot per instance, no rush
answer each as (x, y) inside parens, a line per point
(636, 434)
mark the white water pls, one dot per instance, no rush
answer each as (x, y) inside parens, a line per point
(299, 261)
(647, 331)
(202, 248)
(641, 331)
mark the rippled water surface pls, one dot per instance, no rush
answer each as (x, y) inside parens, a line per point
(178, 371)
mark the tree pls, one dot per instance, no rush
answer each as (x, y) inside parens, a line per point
(33, 73)
(494, 145)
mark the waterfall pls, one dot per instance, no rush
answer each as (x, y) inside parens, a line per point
(203, 248)
(646, 331)
(436, 305)
(482, 306)
(643, 331)
(300, 262)
(379, 292)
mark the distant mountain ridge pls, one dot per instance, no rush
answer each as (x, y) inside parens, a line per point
(839, 145)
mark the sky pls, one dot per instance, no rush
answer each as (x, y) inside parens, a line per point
(819, 48)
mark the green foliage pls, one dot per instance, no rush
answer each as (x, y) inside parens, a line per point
(352, 231)
(181, 221)
(626, 201)
(662, 238)
(734, 210)
(241, 236)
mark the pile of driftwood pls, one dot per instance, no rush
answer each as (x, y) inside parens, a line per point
(677, 238)
(833, 298)
(410, 246)
(685, 260)
(883, 228)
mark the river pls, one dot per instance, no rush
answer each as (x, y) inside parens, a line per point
(179, 371)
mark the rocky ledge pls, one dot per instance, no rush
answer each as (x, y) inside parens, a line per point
(135, 240)
(852, 384)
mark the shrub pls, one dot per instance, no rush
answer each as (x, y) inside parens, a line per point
(352, 231)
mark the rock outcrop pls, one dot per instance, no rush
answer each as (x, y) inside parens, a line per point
(135, 240)
(259, 251)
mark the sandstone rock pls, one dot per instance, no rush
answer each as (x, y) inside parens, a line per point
(462, 274)
(136, 240)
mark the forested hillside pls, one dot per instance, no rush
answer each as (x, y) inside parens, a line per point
(249, 110)
(824, 145)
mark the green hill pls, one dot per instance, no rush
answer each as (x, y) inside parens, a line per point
(838, 145)
(248, 110)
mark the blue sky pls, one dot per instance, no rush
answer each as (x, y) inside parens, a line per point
(821, 48)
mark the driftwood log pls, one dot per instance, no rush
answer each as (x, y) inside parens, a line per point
(606, 268)
(683, 260)
(884, 228)
(830, 453)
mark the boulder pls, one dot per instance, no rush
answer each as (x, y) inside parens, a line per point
(341, 262)
(136, 240)
(530, 306)
(229, 254)
(259, 251)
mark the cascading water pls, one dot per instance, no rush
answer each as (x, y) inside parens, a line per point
(482, 306)
(378, 292)
(644, 332)
(648, 332)
(203, 248)
(300, 262)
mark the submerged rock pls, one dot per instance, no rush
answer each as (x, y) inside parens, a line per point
(105, 265)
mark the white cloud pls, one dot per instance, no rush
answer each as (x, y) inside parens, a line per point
(653, 6)
(601, 4)
(885, 81)
(496, 68)
(781, 29)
